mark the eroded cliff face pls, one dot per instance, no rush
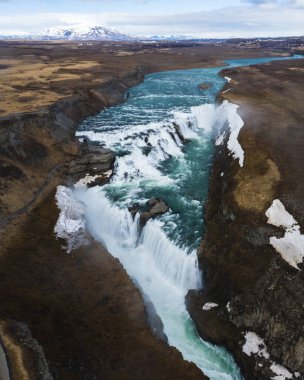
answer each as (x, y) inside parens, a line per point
(255, 289)
(36, 145)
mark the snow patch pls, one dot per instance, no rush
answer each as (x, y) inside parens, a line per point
(220, 139)
(212, 118)
(71, 222)
(84, 182)
(291, 245)
(235, 123)
(255, 345)
(209, 305)
(281, 373)
(278, 216)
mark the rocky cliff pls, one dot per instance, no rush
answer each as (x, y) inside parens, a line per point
(257, 295)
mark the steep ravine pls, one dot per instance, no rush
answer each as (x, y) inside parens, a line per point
(257, 292)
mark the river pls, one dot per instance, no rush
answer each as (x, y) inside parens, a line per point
(146, 133)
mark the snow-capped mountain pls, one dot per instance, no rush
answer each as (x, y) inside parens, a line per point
(93, 33)
(96, 33)
(76, 33)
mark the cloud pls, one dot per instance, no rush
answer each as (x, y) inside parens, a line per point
(278, 3)
(233, 21)
(258, 2)
(296, 3)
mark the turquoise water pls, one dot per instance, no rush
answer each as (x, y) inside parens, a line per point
(145, 132)
(161, 98)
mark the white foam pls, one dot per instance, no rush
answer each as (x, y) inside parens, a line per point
(204, 116)
(291, 245)
(119, 232)
(228, 79)
(137, 166)
(162, 270)
(185, 122)
(148, 144)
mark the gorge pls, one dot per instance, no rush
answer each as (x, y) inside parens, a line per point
(163, 137)
(69, 309)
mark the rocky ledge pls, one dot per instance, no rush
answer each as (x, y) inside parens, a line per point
(252, 301)
(151, 209)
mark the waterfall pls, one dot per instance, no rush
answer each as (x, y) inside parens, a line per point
(163, 271)
(150, 247)
(164, 146)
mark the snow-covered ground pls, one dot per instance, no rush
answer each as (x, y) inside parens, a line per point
(209, 305)
(256, 345)
(227, 112)
(291, 245)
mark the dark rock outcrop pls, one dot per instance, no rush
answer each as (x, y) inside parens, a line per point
(155, 207)
(94, 161)
(179, 133)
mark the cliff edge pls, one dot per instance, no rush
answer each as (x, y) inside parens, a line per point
(251, 252)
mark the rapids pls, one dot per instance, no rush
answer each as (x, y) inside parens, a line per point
(163, 137)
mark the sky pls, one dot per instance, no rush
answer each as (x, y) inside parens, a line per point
(198, 18)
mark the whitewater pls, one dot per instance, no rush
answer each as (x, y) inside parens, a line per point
(163, 136)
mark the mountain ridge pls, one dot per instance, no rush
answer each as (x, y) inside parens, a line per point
(92, 33)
